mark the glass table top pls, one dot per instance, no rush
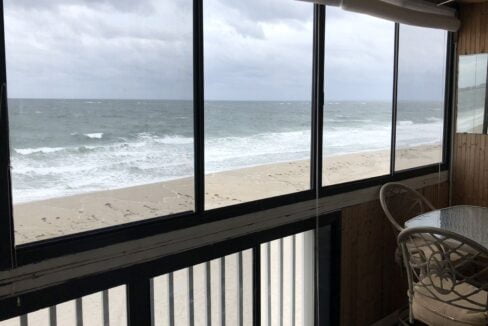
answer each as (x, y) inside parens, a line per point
(468, 221)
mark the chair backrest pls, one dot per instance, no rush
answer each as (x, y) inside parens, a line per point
(446, 267)
(400, 203)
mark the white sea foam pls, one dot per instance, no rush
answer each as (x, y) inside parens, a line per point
(405, 123)
(95, 135)
(175, 140)
(149, 158)
(45, 150)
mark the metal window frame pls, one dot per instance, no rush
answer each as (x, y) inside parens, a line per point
(394, 107)
(485, 119)
(12, 256)
(7, 249)
(397, 175)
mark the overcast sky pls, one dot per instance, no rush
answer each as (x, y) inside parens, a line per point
(254, 50)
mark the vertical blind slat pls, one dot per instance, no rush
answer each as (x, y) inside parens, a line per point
(268, 257)
(241, 289)
(106, 308)
(171, 300)
(191, 300)
(23, 320)
(281, 281)
(293, 275)
(222, 290)
(209, 293)
(79, 312)
(53, 319)
(151, 299)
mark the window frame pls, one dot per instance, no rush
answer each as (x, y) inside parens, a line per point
(12, 256)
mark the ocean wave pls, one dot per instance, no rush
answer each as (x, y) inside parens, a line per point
(44, 150)
(95, 135)
(405, 123)
(148, 157)
(174, 140)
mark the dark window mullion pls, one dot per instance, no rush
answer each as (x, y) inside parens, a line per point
(449, 90)
(198, 106)
(7, 255)
(317, 97)
(394, 110)
(485, 118)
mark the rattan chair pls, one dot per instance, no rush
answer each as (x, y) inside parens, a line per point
(400, 203)
(447, 277)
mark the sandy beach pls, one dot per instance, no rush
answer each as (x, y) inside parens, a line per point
(49, 218)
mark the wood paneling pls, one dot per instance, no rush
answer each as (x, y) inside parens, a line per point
(473, 35)
(470, 170)
(470, 160)
(372, 284)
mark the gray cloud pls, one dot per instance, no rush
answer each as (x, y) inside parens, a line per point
(49, 5)
(270, 10)
(256, 49)
(81, 51)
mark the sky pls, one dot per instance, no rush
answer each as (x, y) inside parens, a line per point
(254, 50)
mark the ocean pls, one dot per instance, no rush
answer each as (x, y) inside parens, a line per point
(65, 147)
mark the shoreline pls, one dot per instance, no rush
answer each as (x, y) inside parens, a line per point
(48, 218)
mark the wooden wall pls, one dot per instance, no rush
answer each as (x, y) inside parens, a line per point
(473, 35)
(470, 170)
(372, 285)
(470, 161)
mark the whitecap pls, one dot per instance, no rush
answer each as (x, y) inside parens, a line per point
(45, 150)
(174, 140)
(95, 135)
(405, 123)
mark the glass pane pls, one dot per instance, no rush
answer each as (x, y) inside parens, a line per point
(421, 83)
(472, 80)
(358, 96)
(258, 73)
(100, 101)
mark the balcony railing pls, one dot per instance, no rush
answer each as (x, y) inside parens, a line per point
(271, 283)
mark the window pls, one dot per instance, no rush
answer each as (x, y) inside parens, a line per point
(358, 96)
(258, 74)
(101, 113)
(472, 102)
(420, 108)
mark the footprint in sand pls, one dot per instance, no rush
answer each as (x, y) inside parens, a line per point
(151, 209)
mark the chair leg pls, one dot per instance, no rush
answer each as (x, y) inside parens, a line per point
(410, 312)
(404, 316)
